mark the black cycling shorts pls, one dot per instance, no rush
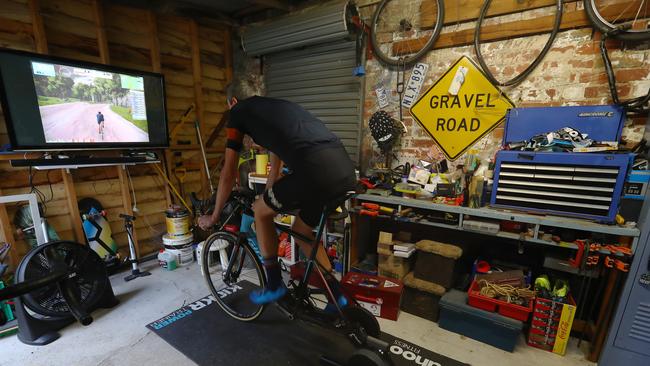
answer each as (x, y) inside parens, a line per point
(318, 179)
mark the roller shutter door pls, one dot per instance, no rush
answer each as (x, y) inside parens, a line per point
(320, 79)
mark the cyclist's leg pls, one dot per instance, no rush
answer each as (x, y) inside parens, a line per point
(267, 238)
(279, 197)
(305, 229)
(306, 220)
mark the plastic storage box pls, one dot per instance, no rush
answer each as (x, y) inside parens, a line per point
(490, 328)
(504, 308)
(436, 262)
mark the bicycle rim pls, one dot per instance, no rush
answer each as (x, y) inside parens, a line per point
(524, 74)
(231, 289)
(404, 27)
(631, 21)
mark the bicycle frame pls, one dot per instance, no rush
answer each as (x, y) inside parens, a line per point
(301, 289)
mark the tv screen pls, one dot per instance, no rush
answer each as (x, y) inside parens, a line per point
(57, 104)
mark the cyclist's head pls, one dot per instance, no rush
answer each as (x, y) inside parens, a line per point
(240, 89)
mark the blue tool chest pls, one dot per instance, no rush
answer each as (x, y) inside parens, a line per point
(587, 185)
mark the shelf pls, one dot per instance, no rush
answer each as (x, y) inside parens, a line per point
(485, 212)
(490, 213)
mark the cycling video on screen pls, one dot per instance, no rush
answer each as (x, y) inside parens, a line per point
(86, 105)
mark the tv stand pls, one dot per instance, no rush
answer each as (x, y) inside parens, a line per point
(82, 162)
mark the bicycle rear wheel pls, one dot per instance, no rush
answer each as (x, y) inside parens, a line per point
(632, 21)
(416, 28)
(232, 271)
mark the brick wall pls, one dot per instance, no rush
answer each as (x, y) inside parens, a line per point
(571, 74)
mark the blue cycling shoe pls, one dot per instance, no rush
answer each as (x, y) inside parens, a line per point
(342, 301)
(266, 296)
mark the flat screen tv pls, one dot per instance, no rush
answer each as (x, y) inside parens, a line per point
(53, 104)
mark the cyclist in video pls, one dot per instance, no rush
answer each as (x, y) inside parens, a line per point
(321, 172)
(100, 121)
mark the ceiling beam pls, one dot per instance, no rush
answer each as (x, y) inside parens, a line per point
(275, 4)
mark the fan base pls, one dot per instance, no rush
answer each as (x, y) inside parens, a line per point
(41, 331)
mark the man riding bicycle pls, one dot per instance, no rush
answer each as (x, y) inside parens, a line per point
(100, 121)
(321, 172)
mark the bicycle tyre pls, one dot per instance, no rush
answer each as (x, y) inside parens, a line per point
(524, 74)
(237, 249)
(409, 60)
(600, 23)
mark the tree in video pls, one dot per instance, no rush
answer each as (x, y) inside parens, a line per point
(85, 105)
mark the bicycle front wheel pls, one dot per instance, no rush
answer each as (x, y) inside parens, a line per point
(632, 20)
(232, 271)
(403, 31)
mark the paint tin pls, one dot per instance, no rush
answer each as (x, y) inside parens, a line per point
(178, 221)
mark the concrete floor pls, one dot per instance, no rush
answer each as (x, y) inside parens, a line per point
(119, 336)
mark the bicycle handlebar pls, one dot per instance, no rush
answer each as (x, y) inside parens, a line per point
(23, 288)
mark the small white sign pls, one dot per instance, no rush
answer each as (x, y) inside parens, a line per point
(382, 95)
(412, 91)
(373, 308)
(388, 284)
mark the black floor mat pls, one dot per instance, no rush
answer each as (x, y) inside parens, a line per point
(204, 333)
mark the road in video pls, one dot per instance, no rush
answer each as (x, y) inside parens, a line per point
(90, 106)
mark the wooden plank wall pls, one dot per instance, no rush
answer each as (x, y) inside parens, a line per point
(191, 55)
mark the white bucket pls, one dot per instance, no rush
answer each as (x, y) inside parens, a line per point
(177, 242)
(184, 256)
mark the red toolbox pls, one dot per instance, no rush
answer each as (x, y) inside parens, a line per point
(504, 308)
(380, 295)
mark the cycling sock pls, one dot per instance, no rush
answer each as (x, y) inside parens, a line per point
(273, 272)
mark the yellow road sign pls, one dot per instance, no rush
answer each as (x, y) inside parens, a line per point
(460, 108)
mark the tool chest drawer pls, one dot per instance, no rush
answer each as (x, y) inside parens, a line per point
(570, 184)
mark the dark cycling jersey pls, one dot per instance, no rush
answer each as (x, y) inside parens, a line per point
(282, 127)
(322, 169)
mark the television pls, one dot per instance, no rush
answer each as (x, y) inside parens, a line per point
(54, 104)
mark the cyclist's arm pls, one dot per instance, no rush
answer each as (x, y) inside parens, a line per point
(228, 174)
(227, 180)
(276, 168)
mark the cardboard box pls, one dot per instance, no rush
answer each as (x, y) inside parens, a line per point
(393, 266)
(379, 295)
(551, 325)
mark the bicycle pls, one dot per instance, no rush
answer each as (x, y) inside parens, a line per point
(241, 272)
(409, 26)
(630, 22)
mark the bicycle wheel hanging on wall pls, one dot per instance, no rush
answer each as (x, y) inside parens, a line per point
(627, 22)
(524, 74)
(414, 24)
